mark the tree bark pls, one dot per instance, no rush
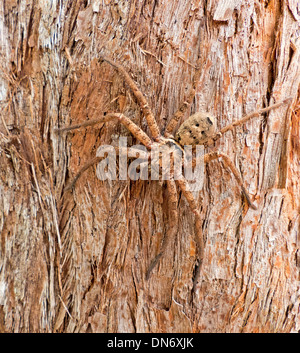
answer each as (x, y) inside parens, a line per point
(76, 262)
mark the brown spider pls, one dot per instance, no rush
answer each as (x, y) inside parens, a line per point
(198, 129)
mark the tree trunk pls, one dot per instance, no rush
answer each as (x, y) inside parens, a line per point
(76, 261)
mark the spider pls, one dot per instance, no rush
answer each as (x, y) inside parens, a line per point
(198, 129)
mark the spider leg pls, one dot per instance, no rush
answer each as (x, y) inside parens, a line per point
(139, 96)
(95, 160)
(131, 126)
(244, 120)
(185, 105)
(228, 162)
(183, 185)
(172, 203)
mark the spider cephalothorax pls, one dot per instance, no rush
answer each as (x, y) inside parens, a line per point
(198, 129)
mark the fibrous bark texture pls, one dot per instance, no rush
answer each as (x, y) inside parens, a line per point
(76, 261)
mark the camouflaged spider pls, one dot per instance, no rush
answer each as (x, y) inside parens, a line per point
(198, 129)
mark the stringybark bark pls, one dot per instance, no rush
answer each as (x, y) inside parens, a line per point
(77, 263)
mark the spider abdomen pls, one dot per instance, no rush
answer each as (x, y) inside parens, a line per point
(196, 130)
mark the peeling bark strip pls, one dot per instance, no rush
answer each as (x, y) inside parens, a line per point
(224, 9)
(77, 262)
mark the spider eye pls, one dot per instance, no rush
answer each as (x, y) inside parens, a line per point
(203, 132)
(194, 137)
(197, 125)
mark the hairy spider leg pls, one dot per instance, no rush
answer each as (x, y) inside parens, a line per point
(183, 185)
(185, 105)
(95, 160)
(228, 163)
(136, 131)
(171, 232)
(139, 96)
(243, 120)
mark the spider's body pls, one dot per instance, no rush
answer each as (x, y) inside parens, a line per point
(199, 129)
(196, 130)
